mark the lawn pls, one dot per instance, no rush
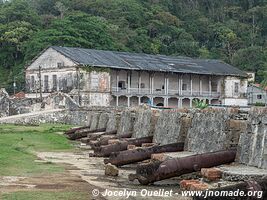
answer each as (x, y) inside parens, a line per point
(18, 145)
(41, 195)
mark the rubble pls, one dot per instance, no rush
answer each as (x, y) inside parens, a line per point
(111, 170)
(212, 174)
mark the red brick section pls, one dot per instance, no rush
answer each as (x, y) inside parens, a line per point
(148, 144)
(193, 185)
(159, 156)
(211, 174)
(131, 146)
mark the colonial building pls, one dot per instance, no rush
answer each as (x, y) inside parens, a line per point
(257, 95)
(103, 78)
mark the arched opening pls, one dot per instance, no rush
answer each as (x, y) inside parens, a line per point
(123, 101)
(186, 103)
(173, 102)
(144, 99)
(134, 101)
(159, 101)
(215, 102)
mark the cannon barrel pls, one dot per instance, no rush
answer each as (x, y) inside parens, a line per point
(103, 140)
(106, 150)
(152, 172)
(94, 136)
(140, 154)
(73, 130)
(81, 134)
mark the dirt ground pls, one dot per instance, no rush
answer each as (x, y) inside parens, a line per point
(84, 174)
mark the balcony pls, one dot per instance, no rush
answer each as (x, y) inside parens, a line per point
(162, 92)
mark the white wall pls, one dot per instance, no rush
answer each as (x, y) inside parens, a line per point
(229, 84)
(50, 59)
(235, 102)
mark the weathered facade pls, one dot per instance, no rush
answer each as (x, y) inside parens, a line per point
(256, 94)
(105, 78)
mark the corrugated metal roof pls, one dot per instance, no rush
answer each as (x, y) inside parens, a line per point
(140, 61)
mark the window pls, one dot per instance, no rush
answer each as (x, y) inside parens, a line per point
(259, 96)
(60, 64)
(54, 82)
(184, 87)
(236, 89)
(46, 86)
(122, 85)
(142, 85)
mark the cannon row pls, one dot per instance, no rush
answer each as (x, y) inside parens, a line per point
(166, 132)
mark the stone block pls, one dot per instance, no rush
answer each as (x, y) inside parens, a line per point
(131, 146)
(211, 174)
(111, 170)
(159, 156)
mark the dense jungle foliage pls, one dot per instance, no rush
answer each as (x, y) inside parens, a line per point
(231, 30)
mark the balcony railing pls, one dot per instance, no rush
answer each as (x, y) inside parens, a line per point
(161, 92)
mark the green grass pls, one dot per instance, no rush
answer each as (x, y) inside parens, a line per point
(18, 145)
(45, 196)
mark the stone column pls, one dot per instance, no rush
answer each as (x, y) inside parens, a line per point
(152, 84)
(117, 80)
(139, 82)
(178, 84)
(139, 101)
(152, 101)
(210, 85)
(117, 101)
(191, 103)
(181, 86)
(129, 81)
(128, 102)
(200, 84)
(191, 85)
(167, 83)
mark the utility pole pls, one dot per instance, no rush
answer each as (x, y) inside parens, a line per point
(40, 82)
(79, 88)
(14, 87)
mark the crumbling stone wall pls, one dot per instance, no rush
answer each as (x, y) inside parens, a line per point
(113, 121)
(208, 132)
(169, 127)
(60, 100)
(252, 148)
(94, 121)
(103, 120)
(4, 103)
(126, 122)
(143, 125)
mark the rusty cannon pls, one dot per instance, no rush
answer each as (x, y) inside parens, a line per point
(106, 150)
(140, 154)
(147, 173)
(73, 130)
(97, 135)
(103, 140)
(81, 133)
